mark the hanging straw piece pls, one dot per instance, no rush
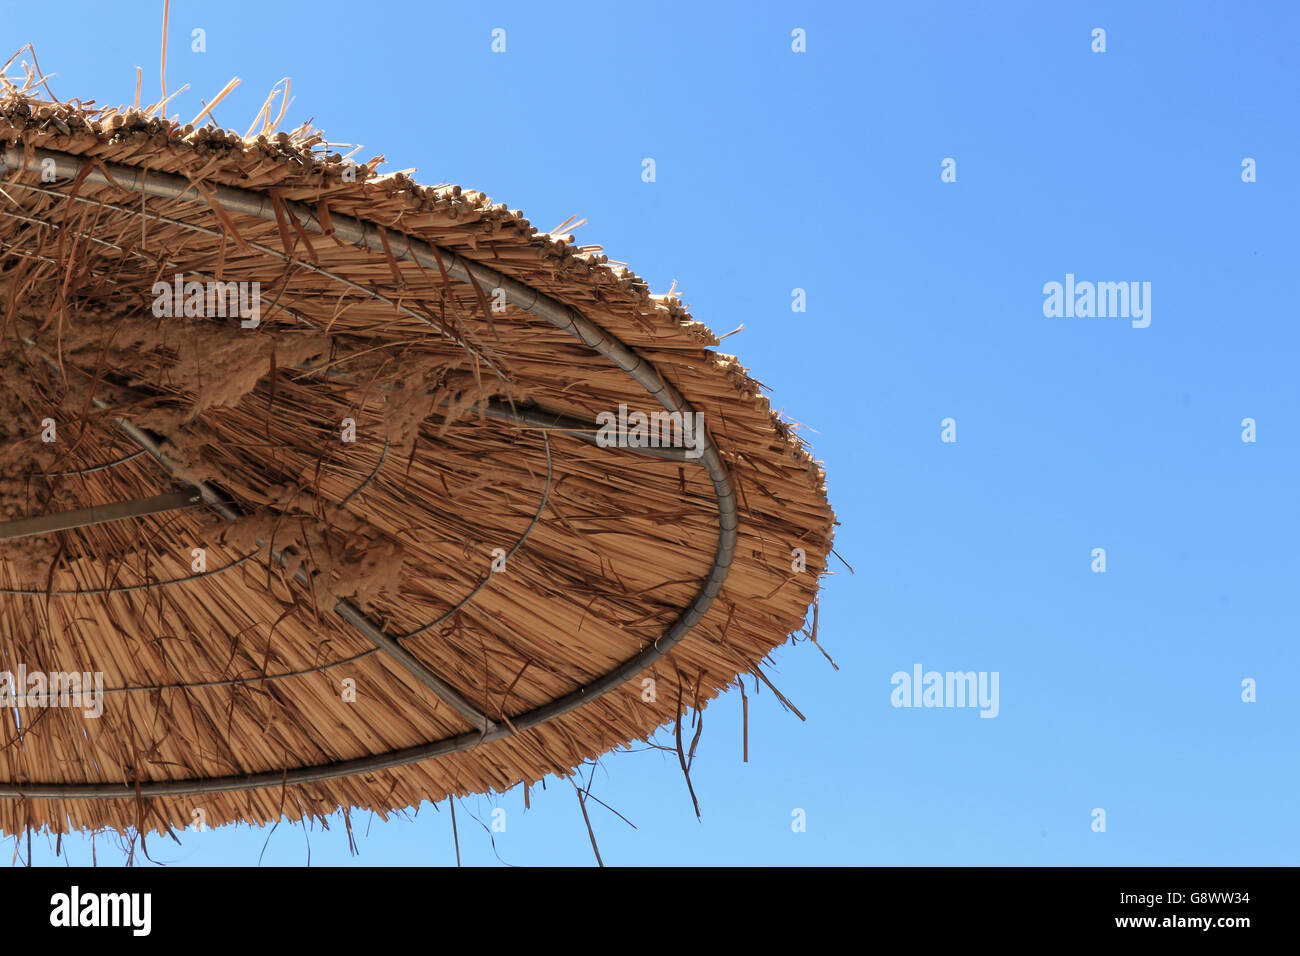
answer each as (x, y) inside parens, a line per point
(161, 106)
(263, 113)
(270, 127)
(219, 97)
(162, 64)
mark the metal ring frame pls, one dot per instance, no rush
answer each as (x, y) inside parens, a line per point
(380, 239)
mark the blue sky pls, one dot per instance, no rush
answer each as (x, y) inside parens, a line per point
(821, 170)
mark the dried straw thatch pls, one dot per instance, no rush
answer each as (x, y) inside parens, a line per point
(369, 561)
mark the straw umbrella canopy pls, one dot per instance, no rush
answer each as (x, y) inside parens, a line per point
(353, 492)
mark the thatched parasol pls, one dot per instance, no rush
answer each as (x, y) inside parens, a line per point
(393, 526)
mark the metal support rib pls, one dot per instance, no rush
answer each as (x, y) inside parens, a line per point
(404, 247)
(98, 514)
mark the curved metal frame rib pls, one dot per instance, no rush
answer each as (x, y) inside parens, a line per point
(380, 239)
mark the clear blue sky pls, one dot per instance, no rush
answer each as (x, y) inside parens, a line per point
(821, 171)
